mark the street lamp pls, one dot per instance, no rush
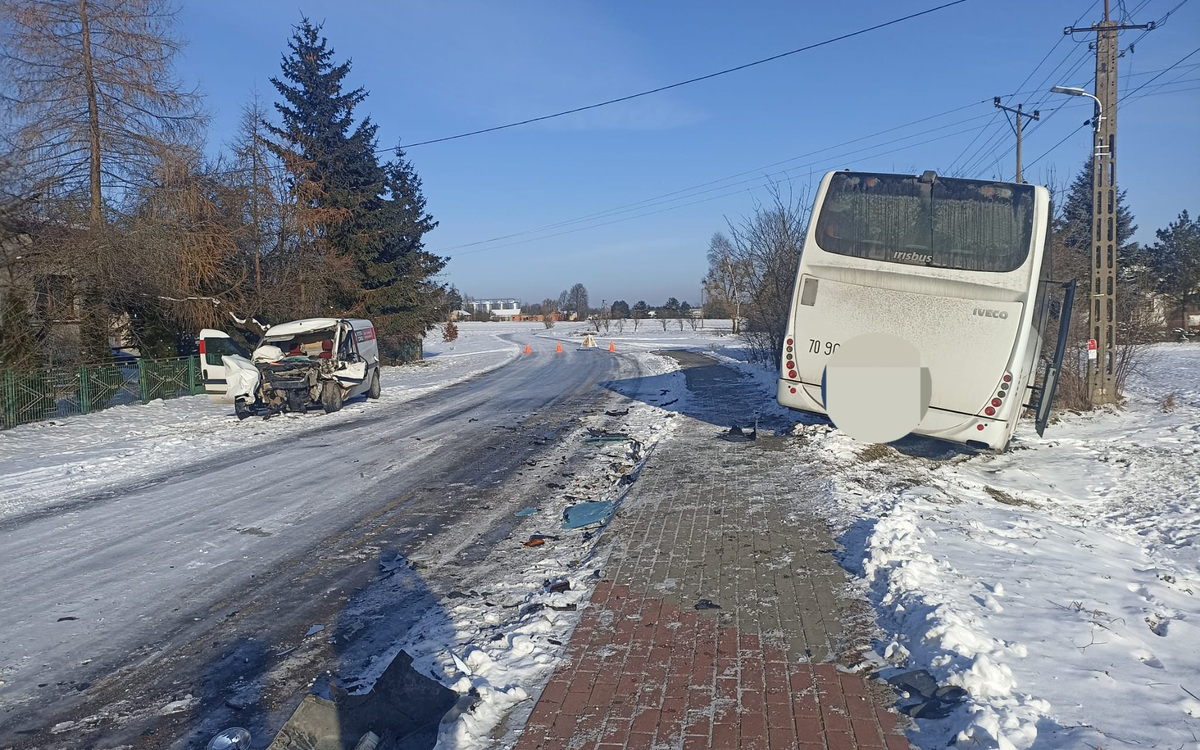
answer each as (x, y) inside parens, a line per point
(1072, 91)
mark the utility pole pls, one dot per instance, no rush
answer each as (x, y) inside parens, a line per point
(1102, 302)
(1017, 128)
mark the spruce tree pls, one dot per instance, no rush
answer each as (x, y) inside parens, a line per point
(365, 220)
(1075, 222)
(1175, 263)
(336, 179)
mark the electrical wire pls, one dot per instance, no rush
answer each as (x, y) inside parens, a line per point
(678, 84)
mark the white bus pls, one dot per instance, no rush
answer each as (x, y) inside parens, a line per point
(954, 267)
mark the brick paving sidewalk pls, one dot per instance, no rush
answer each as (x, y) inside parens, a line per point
(722, 522)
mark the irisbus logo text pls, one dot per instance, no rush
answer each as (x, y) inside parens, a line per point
(913, 256)
(981, 312)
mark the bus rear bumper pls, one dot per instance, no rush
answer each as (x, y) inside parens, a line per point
(795, 395)
(940, 424)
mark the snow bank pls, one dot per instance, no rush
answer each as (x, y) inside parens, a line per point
(1058, 584)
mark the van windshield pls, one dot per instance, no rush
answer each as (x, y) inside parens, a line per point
(969, 225)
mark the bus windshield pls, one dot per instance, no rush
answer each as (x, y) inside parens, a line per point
(968, 225)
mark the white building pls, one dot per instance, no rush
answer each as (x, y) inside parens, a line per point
(504, 308)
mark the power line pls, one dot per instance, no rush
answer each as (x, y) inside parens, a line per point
(826, 161)
(1163, 71)
(689, 81)
(756, 171)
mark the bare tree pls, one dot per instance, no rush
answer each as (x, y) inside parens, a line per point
(729, 277)
(765, 254)
(93, 108)
(94, 100)
(578, 300)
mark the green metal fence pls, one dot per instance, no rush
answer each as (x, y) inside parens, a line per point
(56, 393)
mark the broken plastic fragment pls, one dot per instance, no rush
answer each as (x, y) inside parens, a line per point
(738, 435)
(603, 436)
(314, 630)
(461, 665)
(536, 542)
(525, 512)
(584, 515)
(234, 738)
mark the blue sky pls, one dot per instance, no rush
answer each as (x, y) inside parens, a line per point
(436, 68)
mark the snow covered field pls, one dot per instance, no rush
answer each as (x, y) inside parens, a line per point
(1057, 584)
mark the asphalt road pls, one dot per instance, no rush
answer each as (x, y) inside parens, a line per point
(196, 581)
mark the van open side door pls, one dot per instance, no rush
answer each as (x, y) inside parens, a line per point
(214, 345)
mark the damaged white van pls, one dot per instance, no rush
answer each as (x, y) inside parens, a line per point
(296, 367)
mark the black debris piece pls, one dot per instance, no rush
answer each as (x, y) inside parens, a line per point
(617, 413)
(737, 435)
(707, 604)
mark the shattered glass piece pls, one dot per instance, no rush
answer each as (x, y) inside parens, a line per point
(525, 512)
(314, 630)
(234, 738)
(584, 515)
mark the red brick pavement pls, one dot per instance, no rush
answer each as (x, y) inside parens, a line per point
(642, 673)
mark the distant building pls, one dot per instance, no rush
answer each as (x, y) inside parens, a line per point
(502, 308)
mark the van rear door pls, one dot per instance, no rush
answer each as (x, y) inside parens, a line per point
(214, 345)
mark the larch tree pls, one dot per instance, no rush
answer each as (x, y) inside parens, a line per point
(92, 107)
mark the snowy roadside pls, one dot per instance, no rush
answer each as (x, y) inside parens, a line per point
(47, 462)
(497, 637)
(1058, 584)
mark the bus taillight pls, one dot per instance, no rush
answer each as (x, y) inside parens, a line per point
(1007, 378)
(789, 342)
(989, 411)
(996, 402)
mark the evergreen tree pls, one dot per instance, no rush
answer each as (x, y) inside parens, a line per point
(364, 221)
(1075, 222)
(620, 309)
(1175, 262)
(332, 164)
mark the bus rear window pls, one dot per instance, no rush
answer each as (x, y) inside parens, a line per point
(969, 225)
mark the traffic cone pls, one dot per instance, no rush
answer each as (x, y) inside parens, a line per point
(559, 349)
(612, 346)
(528, 350)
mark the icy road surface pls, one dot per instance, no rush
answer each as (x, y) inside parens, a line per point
(134, 612)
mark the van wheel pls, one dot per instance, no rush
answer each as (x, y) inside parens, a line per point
(373, 391)
(331, 397)
(242, 410)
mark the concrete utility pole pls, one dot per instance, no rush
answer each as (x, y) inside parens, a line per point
(1102, 305)
(1017, 128)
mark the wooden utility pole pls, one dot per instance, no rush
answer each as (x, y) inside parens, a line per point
(1102, 301)
(1016, 128)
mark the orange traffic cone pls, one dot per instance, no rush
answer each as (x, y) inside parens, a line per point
(559, 349)
(528, 350)
(612, 346)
